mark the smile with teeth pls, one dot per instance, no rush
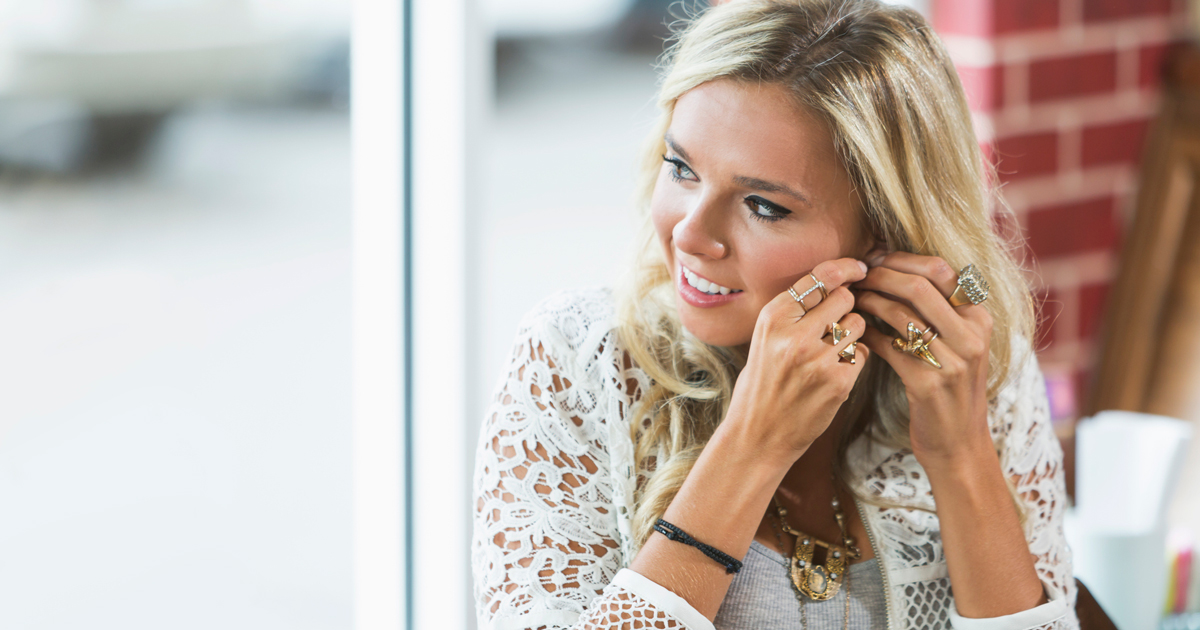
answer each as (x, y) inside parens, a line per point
(704, 286)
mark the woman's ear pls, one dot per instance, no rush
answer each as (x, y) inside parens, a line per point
(872, 247)
(875, 257)
(871, 243)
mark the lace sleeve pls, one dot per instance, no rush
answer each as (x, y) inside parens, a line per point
(1032, 458)
(545, 551)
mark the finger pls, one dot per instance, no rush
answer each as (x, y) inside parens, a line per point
(905, 364)
(860, 356)
(892, 312)
(898, 316)
(853, 326)
(941, 275)
(849, 328)
(784, 308)
(831, 274)
(919, 294)
(862, 353)
(832, 309)
(938, 271)
(840, 271)
(881, 345)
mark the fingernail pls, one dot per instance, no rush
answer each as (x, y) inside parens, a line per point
(863, 266)
(874, 262)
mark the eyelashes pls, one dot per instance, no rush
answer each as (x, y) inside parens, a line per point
(760, 209)
(677, 165)
(775, 213)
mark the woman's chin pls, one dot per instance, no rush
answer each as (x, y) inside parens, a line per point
(714, 333)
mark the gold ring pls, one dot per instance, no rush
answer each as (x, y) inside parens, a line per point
(835, 334)
(847, 355)
(916, 346)
(972, 287)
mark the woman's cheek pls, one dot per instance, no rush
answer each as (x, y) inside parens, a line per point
(664, 216)
(780, 267)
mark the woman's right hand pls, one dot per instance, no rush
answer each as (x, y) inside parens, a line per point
(794, 383)
(785, 397)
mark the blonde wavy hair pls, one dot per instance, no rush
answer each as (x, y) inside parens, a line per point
(882, 82)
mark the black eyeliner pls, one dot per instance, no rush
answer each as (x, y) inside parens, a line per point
(776, 208)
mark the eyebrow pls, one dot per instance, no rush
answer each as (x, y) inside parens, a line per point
(749, 182)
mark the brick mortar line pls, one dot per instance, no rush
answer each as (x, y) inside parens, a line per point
(1079, 185)
(1070, 146)
(985, 131)
(982, 52)
(1073, 271)
(1112, 107)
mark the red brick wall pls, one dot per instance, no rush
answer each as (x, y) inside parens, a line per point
(1063, 92)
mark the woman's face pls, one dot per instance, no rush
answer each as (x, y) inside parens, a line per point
(751, 196)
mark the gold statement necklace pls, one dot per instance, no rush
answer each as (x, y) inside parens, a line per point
(818, 581)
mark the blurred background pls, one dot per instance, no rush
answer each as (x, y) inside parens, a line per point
(175, 314)
(175, 262)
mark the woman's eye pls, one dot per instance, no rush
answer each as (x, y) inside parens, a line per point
(679, 171)
(764, 210)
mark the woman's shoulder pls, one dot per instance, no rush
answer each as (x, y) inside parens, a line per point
(565, 383)
(576, 306)
(573, 322)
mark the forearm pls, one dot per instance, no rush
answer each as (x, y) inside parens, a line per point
(720, 504)
(988, 559)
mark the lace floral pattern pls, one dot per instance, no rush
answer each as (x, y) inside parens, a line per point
(551, 500)
(554, 483)
(1030, 455)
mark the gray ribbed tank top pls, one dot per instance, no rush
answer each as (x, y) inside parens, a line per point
(762, 597)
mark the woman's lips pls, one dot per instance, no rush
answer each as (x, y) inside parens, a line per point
(698, 298)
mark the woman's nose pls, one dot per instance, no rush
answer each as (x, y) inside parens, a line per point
(700, 233)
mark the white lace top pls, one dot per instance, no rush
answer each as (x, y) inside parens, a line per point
(555, 476)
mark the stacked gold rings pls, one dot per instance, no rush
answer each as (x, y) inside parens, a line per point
(972, 288)
(916, 345)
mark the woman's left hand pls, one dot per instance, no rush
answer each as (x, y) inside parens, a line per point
(947, 406)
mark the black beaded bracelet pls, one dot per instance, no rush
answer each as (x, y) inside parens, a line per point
(731, 564)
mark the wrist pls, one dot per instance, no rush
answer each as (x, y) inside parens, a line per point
(759, 451)
(734, 471)
(720, 504)
(963, 459)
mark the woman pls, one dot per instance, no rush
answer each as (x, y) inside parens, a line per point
(795, 338)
